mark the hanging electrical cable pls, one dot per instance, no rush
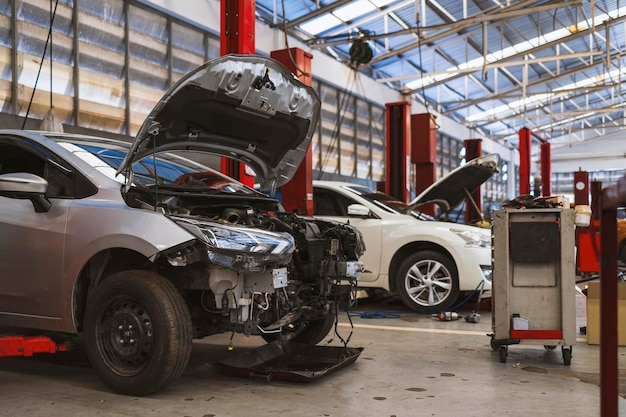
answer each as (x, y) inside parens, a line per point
(335, 136)
(421, 65)
(293, 61)
(50, 121)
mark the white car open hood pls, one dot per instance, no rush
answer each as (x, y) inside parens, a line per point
(245, 107)
(452, 189)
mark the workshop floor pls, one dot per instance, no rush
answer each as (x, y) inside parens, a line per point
(411, 365)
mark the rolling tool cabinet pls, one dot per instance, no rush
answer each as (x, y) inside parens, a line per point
(533, 288)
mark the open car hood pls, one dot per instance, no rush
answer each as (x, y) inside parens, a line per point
(453, 188)
(244, 107)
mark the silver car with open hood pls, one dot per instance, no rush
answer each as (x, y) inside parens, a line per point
(142, 247)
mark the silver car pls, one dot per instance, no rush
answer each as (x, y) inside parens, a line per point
(141, 248)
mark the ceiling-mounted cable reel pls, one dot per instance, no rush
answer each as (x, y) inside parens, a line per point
(360, 52)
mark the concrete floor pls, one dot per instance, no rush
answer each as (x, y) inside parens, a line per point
(411, 365)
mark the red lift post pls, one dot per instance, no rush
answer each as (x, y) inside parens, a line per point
(237, 22)
(398, 162)
(297, 194)
(424, 152)
(610, 199)
(587, 238)
(525, 139)
(474, 206)
(524, 161)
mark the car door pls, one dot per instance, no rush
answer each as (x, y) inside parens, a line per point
(31, 243)
(332, 205)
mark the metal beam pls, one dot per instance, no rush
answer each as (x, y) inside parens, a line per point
(538, 82)
(493, 65)
(76, 67)
(382, 12)
(312, 15)
(519, 55)
(570, 113)
(14, 57)
(127, 113)
(452, 29)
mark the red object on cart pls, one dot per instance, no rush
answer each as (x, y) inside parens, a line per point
(27, 346)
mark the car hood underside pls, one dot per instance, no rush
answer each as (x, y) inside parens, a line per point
(244, 107)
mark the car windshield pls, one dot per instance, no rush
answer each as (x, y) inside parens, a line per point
(170, 169)
(385, 201)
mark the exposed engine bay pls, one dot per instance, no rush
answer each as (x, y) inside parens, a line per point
(254, 268)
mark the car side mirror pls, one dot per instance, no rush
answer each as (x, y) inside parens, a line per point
(23, 185)
(358, 210)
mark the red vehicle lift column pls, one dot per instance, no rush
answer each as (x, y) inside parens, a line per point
(586, 258)
(474, 205)
(237, 22)
(546, 169)
(525, 135)
(297, 194)
(524, 161)
(610, 199)
(397, 164)
(589, 242)
(424, 153)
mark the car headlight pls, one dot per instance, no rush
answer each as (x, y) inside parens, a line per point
(240, 248)
(473, 239)
(238, 239)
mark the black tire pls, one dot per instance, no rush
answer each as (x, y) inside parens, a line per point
(504, 352)
(428, 282)
(138, 332)
(312, 333)
(567, 355)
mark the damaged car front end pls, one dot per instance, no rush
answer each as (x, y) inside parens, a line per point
(147, 247)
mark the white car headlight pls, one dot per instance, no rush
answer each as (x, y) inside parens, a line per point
(473, 239)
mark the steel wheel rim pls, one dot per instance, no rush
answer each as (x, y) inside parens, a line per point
(125, 336)
(428, 283)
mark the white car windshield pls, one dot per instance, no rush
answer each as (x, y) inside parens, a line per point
(385, 201)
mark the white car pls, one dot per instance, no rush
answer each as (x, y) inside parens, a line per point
(429, 262)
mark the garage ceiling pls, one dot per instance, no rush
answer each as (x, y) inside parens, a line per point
(496, 66)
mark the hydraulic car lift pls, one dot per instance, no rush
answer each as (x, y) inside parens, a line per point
(28, 345)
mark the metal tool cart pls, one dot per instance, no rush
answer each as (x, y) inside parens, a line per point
(534, 298)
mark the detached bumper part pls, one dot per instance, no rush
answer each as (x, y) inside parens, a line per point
(289, 361)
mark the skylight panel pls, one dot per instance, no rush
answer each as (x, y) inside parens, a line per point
(515, 49)
(353, 10)
(381, 3)
(321, 24)
(536, 99)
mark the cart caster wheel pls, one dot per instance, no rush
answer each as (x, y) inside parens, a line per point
(493, 344)
(567, 355)
(503, 354)
(549, 347)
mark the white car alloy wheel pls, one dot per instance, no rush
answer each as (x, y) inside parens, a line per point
(427, 281)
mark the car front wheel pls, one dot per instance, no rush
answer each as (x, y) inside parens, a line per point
(138, 332)
(427, 282)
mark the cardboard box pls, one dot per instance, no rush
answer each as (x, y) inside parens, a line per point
(593, 313)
